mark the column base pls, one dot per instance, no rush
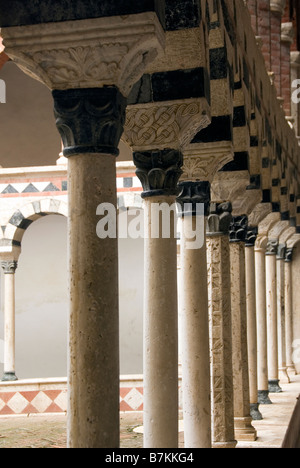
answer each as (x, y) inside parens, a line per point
(263, 397)
(9, 377)
(291, 370)
(244, 430)
(255, 413)
(284, 376)
(274, 386)
(225, 445)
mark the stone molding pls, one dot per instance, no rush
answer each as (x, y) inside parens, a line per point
(9, 267)
(203, 160)
(238, 229)
(90, 120)
(281, 251)
(191, 194)
(159, 171)
(287, 32)
(219, 219)
(88, 53)
(278, 6)
(160, 125)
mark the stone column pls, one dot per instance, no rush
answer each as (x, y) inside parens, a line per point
(91, 66)
(261, 311)
(194, 204)
(159, 172)
(219, 297)
(243, 428)
(9, 268)
(271, 301)
(288, 303)
(251, 322)
(280, 274)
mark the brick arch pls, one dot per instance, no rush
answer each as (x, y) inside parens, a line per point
(12, 234)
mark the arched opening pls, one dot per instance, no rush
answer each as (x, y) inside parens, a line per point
(41, 300)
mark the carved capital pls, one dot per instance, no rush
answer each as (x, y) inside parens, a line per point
(219, 219)
(158, 171)
(165, 124)
(9, 267)
(90, 120)
(238, 229)
(272, 247)
(281, 252)
(191, 194)
(88, 53)
(289, 254)
(203, 160)
(251, 236)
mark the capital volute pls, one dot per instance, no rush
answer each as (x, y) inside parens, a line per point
(9, 267)
(238, 229)
(219, 219)
(89, 53)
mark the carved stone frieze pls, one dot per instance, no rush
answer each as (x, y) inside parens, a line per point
(158, 171)
(165, 124)
(203, 160)
(87, 53)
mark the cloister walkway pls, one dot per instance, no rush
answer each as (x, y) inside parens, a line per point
(49, 431)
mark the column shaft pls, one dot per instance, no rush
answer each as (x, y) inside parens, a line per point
(160, 332)
(243, 428)
(9, 320)
(262, 350)
(271, 294)
(252, 330)
(289, 316)
(93, 412)
(221, 341)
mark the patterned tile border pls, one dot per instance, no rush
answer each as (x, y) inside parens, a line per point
(26, 187)
(50, 396)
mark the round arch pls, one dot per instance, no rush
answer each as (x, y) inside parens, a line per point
(12, 234)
